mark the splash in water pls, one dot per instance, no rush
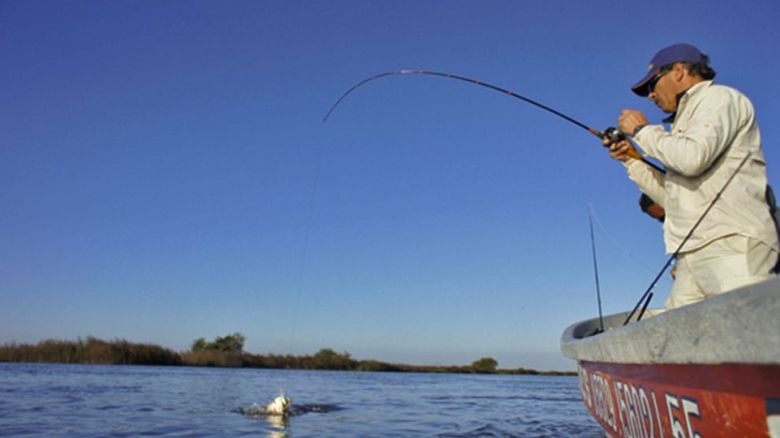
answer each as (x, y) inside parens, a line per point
(282, 407)
(279, 406)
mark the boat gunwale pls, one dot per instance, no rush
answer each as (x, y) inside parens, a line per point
(741, 326)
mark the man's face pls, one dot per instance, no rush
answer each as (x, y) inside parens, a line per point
(664, 93)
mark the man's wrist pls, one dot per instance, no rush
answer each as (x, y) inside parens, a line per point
(637, 129)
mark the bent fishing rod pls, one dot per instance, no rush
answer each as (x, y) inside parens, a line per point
(613, 135)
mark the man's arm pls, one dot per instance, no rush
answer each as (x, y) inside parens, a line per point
(649, 180)
(712, 128)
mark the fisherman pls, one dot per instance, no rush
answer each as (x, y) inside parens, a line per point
(713, 127)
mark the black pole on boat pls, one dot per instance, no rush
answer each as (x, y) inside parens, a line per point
(644, 300)
(644, 307)
(595, 267)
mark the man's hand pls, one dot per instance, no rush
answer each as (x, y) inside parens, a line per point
(630, 120)
(622, 150)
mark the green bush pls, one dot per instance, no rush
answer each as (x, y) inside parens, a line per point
(231, 343)
(485, 365)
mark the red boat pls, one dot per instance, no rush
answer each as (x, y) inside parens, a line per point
(710, 369)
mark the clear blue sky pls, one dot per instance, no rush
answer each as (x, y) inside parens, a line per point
(165, 173)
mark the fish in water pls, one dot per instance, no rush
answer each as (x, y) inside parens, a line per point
(279, 406)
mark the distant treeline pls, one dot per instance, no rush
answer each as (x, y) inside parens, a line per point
(224, 352)
(91, 350)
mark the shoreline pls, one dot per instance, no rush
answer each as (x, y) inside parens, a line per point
(93, 351)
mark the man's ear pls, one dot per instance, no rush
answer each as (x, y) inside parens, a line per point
(679, 72)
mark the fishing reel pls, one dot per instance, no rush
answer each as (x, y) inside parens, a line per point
(613, 134)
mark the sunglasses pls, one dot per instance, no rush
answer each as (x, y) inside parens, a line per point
(651, 85)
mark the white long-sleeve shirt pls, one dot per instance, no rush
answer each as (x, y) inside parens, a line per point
(713, 130)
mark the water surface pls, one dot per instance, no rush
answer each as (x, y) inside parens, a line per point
(93, 400)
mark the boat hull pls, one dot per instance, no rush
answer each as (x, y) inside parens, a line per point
(726, 400)
(710, 369)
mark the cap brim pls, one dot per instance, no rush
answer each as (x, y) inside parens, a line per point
(640, 88)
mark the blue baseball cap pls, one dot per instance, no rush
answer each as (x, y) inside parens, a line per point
(668, 56)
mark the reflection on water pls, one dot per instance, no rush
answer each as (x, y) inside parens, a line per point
(279, 423)
(278, 426)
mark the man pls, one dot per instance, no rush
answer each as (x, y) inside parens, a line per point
(713, 129)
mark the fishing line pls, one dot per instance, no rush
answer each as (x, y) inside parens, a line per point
(303, 261)
(616, 243)
(612, 134)
(644, 300)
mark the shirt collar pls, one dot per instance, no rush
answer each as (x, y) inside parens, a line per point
(685, 96)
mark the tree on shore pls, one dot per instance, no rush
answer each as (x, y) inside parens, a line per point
(328, 359)
(230, 343)
(485, 365)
